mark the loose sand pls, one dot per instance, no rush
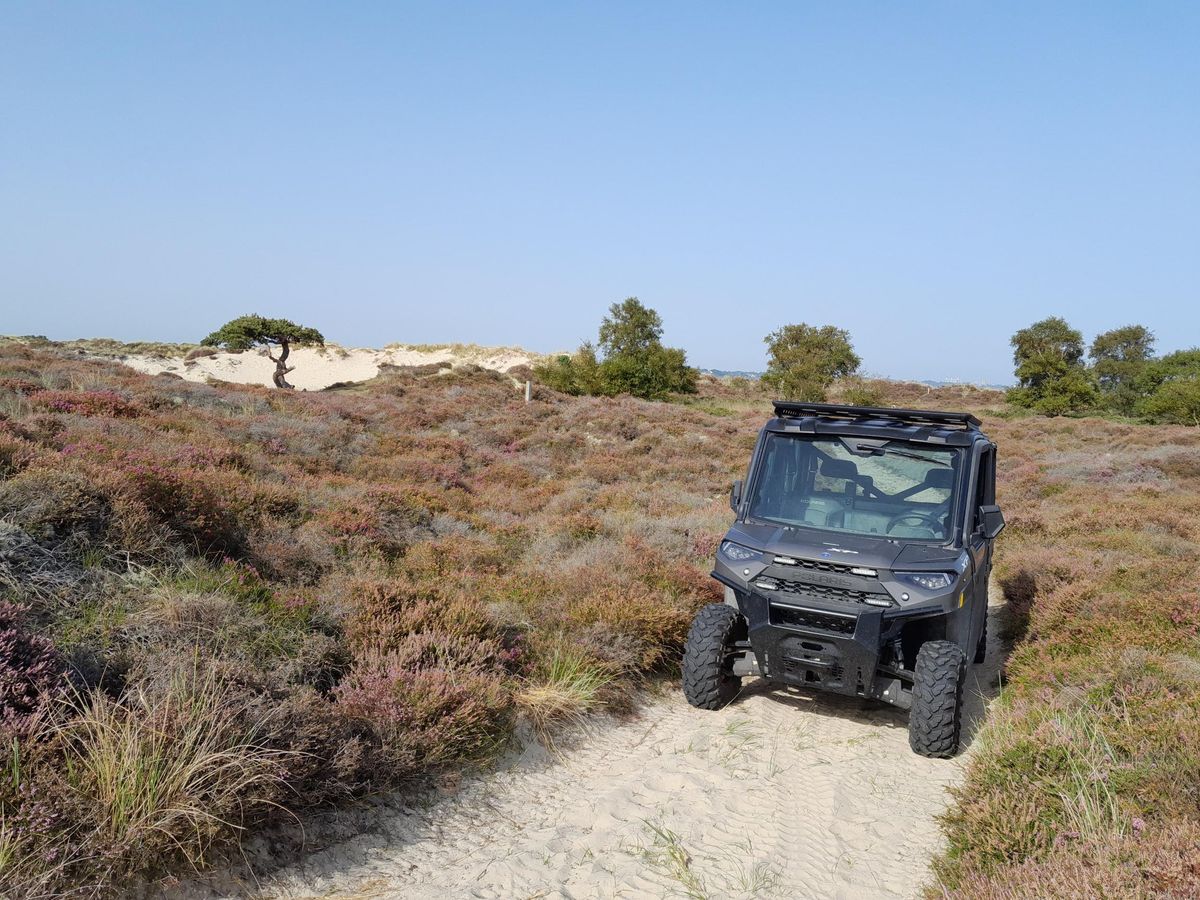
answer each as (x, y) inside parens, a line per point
(779, 795)
(317, 368)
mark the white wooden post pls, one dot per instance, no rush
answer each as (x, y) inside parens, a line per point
(528, 391)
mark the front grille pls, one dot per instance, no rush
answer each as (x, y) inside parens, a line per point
(824, 591)
(817, 565)
(810, 618)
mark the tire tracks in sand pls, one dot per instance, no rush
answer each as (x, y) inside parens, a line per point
(779, 794)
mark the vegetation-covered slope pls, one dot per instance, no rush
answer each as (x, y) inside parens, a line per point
(226, 605)
(239, 601)
(1087, 779)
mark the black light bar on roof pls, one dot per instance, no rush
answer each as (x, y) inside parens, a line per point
(789, 410)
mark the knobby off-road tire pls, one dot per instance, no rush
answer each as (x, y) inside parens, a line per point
(981, 647)
(935, 720)
(708, 682)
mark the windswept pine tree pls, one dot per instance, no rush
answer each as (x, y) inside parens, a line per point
(246, 332)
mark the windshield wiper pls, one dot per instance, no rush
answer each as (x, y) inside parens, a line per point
(907, 455)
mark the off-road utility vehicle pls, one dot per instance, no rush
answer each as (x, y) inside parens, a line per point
(857, 563)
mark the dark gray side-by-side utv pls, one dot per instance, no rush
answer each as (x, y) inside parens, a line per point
(857, 563)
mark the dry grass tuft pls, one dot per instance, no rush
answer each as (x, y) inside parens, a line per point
(173, 771)
(566, 687)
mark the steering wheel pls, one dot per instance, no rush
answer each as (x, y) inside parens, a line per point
(933, 520)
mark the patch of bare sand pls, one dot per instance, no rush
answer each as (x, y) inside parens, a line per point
(780, 794)
(317, 368)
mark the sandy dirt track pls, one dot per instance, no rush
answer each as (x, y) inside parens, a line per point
(779, 795)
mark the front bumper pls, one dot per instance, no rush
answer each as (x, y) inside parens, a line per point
(831, 651)
(808, 642)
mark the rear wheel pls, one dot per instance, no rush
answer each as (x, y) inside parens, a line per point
(708, 679)
(935, 720)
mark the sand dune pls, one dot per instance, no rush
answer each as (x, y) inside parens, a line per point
(317, 368)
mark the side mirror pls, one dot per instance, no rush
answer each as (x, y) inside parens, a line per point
(991, 520)
(735, 495)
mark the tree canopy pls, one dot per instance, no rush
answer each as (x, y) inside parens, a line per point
(804, 360)
(246, 332)
(1120, 358)
(629, 329)
(1175, 401)
(1052, 378)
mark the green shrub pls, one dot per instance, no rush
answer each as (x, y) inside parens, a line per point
(634, 360)
(576, 374)
(860, 392)
(1175, 401)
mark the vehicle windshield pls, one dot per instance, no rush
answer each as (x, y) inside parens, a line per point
(891, 489)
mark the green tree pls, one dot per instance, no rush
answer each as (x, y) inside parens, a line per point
(630, 329)
(1120, 359)
(246, 332)
(634, 359)
(804, 360)
(1050, 373)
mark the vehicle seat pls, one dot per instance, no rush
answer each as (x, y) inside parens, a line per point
(935, 479)
(847, 471)
(811, 511)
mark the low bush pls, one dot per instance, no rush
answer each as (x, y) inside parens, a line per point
(431, 702)
(31, 670)
(52, 506)
(104, 404)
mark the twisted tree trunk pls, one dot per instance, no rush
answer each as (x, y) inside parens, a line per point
(281, 366)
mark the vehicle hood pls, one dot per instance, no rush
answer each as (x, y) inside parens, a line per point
(849, 549)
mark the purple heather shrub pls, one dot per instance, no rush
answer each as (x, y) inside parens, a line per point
(31, 669)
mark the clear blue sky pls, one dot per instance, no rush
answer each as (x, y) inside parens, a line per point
(929, 176)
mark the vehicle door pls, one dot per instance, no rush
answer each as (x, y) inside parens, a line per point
(983, 493)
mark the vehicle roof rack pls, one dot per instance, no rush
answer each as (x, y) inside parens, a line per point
(789, 410)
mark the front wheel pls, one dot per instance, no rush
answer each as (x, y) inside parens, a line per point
(708, 679)
(935, 720)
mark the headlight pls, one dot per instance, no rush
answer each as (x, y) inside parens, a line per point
(737, 552)
(930, 581)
